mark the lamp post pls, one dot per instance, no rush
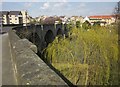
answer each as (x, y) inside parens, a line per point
(34, 34)
(26, 17)
(56, 22)
(42, 31)
(42, 36)
(63, 28)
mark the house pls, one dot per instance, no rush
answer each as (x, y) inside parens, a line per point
(15, 17)
(52, 20)
(74, 19)
(26, 17)
(86, 19)
(102, 19)
(41, 19)
(64, 19)
(4, 17)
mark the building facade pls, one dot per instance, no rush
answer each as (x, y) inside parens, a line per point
(4, 17)
(26, 17)
(14, 17)
(102, 19)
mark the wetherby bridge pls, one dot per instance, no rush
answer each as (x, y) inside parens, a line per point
(42, 35)
(21, 63)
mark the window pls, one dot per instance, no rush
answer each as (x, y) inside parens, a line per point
(3, 22)
(15, 18)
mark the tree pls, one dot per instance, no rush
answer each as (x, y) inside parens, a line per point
(85, 57)
(117, 11)
(70, 25)
(86, 25)
(78, 24)
(96, 23)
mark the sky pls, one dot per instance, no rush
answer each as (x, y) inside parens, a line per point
(62, 7)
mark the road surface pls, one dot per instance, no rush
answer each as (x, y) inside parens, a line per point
(8, 75)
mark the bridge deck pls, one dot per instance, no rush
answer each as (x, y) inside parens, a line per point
(8, 76)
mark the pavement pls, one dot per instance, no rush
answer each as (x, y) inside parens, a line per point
(5, 29)
(0, 60)
(8, 74)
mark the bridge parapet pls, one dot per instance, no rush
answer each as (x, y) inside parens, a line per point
(29, 68)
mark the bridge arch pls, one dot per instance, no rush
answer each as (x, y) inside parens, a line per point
(34, 38)
(49, 37)
(59, 32)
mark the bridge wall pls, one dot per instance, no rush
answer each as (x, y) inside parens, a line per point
(40, 31)
(29, 68)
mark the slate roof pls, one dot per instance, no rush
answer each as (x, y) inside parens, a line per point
(4, 13)
(15, 13)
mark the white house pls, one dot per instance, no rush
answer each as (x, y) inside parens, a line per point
(26, 17)
(4, 17)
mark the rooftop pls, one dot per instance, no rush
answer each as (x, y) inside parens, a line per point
(14, 13)
(102, 16)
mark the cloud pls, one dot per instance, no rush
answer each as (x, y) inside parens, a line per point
(59, 4)
(82, 5)
(58, 0)
(27, 5)
(63, 0)
(0, 5)
(45, 5)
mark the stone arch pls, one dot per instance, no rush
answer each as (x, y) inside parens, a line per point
(34, 38)
(59, 32)
(49, 37)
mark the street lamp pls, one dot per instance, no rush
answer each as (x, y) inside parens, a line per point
(63, 28)
(26, 17)
(42, 31)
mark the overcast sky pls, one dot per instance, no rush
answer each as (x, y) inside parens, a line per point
(62, 8)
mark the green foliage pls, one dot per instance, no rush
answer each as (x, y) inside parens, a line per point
(70, 25)
(87, 57)
(77, 24)
(96, 23)
(86, 25)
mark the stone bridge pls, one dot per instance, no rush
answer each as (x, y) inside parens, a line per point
(27, 68)
(41, 35)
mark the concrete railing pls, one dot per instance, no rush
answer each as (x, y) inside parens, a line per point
(29, 68)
